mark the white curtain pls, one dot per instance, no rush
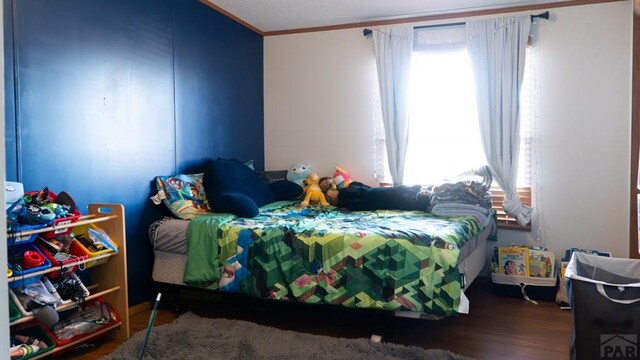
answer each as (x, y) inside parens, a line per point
(497, 49)
(393, 48)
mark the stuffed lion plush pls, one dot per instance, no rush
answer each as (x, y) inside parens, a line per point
(312, 191)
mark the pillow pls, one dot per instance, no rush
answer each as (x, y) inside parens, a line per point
(271, 176)
(235, 203)
(285, 190)
(230, 177)
(183, 194)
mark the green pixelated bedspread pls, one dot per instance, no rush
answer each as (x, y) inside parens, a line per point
(394, 260)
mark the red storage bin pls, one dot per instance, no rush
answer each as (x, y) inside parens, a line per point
(60, 222)
(77, 255)
(96, 302)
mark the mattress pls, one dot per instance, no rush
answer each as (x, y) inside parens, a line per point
(169, 239)
(169, 235)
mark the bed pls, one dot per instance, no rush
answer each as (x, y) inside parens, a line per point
(410, 262)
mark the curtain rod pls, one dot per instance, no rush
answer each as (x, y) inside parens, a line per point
(545, 15)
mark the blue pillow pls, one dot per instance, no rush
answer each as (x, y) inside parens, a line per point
(285, 190)
(235, 203)
(234, 177)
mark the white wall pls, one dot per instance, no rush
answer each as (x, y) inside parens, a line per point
(319, 102)
(318, 108)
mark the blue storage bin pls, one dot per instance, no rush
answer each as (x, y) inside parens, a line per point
(16, 252)
(14, 236)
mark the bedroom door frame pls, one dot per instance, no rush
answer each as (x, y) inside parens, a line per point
(635, 140)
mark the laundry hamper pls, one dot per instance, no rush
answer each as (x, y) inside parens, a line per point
(605, 297)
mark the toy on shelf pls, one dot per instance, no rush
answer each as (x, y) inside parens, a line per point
(38, 209)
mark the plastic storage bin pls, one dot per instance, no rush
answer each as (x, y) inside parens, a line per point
(16, 293)
(57, 263)
(13, 293)
(64, 277)
(529, 288)
(115, 319)
(38, 332)
(15, 237)
(15, 259)
(80, 250)
(60, 222)
(605, 298)
(14, 313)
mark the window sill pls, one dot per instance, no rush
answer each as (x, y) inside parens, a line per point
(513, 225)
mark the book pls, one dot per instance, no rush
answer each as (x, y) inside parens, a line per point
(513, 260)
(541, 263)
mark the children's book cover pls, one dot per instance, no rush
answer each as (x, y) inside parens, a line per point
(541, 263)
(514, 260)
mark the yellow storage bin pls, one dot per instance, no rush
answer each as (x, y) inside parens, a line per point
(78, 249)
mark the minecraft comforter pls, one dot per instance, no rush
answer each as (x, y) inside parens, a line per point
(394, 260)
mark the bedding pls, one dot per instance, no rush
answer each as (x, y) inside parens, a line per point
(386, 259)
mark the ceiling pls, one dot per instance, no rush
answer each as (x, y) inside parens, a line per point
(279, 15)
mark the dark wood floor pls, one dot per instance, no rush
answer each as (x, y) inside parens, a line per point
(496, 328)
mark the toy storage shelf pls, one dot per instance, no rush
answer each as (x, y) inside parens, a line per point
(110, 277)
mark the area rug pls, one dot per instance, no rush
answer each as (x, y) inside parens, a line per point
(194, 337)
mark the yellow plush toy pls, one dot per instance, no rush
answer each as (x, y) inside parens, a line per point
(313, 192)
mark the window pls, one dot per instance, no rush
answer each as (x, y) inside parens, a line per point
(444, 139)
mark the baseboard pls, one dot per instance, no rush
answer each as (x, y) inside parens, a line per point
(137, 309)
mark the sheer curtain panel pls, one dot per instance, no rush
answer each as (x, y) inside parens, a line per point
(393, 49)
(497, 49)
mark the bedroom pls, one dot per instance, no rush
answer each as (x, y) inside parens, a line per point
(174, 52)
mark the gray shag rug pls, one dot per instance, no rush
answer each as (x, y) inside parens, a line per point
(194, 337)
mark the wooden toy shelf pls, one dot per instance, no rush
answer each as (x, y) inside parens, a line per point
(111, 277)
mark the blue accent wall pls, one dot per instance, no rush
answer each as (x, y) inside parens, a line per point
(110, 94)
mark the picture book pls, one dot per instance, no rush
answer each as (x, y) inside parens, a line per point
(513, 261)
(541, 263)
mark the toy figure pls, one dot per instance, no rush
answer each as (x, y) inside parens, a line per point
(342, 178)
(313, 192)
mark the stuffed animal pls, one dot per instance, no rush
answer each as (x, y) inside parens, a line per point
(298, 172)
(313, 193)
(330, 190)
(342, 178)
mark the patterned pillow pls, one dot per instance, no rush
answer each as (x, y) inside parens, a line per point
(183, 194)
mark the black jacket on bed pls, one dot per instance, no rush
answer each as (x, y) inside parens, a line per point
(360, 197)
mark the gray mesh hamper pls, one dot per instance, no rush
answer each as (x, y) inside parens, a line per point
(605, 299)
